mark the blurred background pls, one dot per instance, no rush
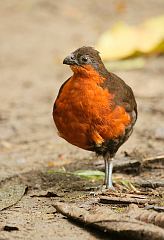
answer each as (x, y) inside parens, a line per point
(35, 37)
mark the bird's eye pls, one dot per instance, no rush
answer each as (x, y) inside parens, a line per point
(84, 59)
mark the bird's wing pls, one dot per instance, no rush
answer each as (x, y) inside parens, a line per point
(123, 95)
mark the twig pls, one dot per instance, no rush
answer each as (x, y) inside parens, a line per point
(149, 183)
(48, 194)
(125, 200)
(159, 158)
(156, 208)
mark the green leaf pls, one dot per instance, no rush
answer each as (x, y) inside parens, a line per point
(90, 174)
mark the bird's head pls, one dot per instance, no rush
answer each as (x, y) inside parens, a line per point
(84, 59)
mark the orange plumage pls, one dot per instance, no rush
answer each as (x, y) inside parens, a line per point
(90, 117)
(89, 111)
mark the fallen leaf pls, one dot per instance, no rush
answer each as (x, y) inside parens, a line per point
(90, 174)
(118, 42)
(10, 194)
(123, 225)
(123, 41)
(151, 36)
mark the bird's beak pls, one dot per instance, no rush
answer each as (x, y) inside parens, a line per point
(70, 60)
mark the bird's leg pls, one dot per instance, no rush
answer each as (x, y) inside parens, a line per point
(108, 175)
(109, 184)
(108, 172)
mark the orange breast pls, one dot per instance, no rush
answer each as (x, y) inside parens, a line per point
(85, 112)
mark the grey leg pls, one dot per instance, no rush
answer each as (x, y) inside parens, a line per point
(106, 171)
(109, 184)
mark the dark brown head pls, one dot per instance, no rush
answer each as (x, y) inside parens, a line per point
(84, 57)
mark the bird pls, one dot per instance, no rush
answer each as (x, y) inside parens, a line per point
(95, 109)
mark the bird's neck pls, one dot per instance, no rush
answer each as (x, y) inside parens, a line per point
(87, 73)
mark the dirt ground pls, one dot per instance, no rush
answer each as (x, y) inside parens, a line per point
(35, 36)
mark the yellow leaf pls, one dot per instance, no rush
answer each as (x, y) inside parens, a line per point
(151, 35)
(124, 41)
(117, 43)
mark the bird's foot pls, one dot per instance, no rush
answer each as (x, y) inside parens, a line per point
(110, 188)
(102, 190)
(106, 188)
